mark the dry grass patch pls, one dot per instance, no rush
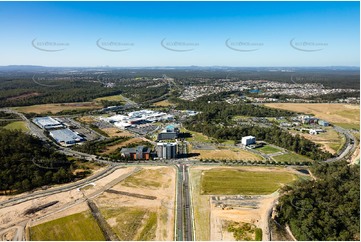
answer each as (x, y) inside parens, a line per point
(330, 140)
(332, 112)
(114, 132)
(112, 148)
(57, 107)
(226, 154)
(86, 119)
(163, 103)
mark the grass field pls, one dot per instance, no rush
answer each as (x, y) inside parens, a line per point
(117, 98)
(163, 103)
(291, 157)
(238, 181)
(201, 208)
(80, 226)
(332, 112)
(226, 154)
(57, 107)
(21, 125)
(131, 223)
(267, 149)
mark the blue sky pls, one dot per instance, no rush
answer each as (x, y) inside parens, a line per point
(180, 33)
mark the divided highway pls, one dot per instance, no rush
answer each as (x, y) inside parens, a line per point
(184, 220)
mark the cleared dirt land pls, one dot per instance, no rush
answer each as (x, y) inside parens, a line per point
(57, 107)
(226, 154)
(114, 132)
(67, 203)
(142, 206)
(332, 112)
(240, 195)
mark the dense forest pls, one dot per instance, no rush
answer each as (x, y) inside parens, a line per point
(26, 92)
(327, 208)
(25, 163)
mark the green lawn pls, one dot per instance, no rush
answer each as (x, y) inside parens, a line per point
(267, 149)
(238, 181)
(21, 125)
(80, 226)
(291, 157)
(132, 223)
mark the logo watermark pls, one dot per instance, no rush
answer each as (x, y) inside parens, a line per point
(49, 46)
(243, 46)
(178, 46)
(307, 46)
(114, 46)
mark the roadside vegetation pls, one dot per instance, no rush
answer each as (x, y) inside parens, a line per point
(244, 231)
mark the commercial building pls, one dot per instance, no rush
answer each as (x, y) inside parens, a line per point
(139, 117)
(138, 153)
(323, 123)
(248, 140)
(166, 150)
(48, 123)
(66, 137)
(170, 132)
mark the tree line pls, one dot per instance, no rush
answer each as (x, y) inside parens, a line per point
(327, 208)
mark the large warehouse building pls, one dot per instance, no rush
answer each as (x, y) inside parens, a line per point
(48, 123)
(66, 137)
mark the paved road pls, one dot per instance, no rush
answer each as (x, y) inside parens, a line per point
(39, 194)
(349, 147)
(184, 221)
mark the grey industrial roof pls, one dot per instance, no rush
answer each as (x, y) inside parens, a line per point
(65, 135)
(45, 121)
